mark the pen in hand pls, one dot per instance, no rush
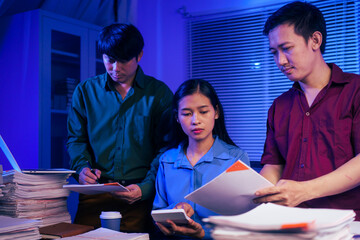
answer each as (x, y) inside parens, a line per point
(92, 171)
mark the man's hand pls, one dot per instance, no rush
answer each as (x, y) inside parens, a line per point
(193, 229)
(285, 192)
(87, 177)
(130, 197)
(187, 207)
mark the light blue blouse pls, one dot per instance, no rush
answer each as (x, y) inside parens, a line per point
(176, 177)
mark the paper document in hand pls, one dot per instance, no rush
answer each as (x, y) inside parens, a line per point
(269, 216)
(90, 189)
(232, 191)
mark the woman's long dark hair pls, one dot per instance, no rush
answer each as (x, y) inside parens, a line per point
(190, 87)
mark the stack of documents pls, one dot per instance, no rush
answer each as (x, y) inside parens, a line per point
(271, 221)
(35, 196)
(21, 229)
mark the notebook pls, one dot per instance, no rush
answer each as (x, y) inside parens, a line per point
(63, 229)
(16, 167)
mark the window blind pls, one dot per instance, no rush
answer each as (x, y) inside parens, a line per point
(229, 50)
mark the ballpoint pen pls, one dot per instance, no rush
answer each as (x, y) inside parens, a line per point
(92, 170)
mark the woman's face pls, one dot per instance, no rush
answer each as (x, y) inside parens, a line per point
(196, 116)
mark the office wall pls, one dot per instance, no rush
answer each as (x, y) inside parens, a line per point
(18, 119)
(164, 30)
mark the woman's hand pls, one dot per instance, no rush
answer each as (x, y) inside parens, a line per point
(192, 229)
(187, 207)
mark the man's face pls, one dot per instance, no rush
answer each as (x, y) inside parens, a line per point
(293, 56)
(121, 71)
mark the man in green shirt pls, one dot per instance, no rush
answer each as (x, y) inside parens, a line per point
(116, 125)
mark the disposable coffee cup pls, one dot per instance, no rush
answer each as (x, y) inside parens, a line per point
(111, 220)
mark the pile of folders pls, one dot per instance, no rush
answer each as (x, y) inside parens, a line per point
(271, 221)
(35, 196)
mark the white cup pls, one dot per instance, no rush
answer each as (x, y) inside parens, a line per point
(111, 220)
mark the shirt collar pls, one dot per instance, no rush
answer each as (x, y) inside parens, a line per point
(218, 150)
(138, 81)
(336, 77)
(140, 78)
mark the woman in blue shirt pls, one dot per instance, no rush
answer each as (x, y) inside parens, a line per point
(200, 150)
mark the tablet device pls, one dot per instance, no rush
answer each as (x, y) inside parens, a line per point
(178, 216)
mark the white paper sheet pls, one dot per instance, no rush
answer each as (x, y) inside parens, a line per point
(107, 234)
(232, 191)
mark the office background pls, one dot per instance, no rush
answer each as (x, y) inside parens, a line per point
(44, 53)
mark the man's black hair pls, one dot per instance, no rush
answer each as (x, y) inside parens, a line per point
(305, 17)
(121, 42)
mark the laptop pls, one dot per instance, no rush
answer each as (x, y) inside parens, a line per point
(16, 167)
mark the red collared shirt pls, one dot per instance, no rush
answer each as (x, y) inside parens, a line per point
(313, 141)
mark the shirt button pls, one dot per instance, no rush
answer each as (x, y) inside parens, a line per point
(307, 114)
(302, 165)
(305, 139)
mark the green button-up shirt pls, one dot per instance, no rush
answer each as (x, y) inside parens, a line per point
(120, 137)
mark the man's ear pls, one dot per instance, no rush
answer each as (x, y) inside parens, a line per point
(316, 40)
(140, 56)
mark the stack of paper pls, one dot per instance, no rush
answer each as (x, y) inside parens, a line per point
(271, 221)
(21, 229)
(107, 234)
(35, 196)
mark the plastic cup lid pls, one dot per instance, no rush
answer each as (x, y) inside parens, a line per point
(110, 215)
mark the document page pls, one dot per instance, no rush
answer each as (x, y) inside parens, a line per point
(232, 191)
(96, 188)
(107, 234)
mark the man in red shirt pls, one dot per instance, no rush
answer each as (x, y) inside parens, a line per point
(312, 147)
